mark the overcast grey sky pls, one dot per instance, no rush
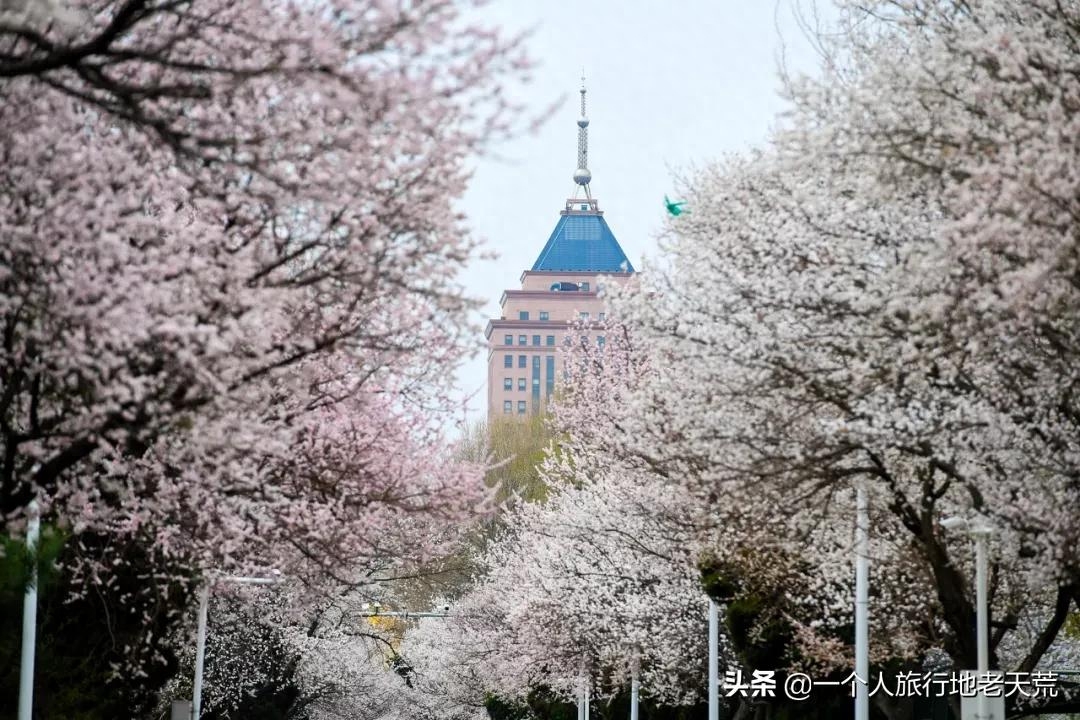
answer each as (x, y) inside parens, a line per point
(671, 85)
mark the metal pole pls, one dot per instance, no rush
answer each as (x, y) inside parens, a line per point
(29, 627)
(586, 699)
(581, 699)
(714, 661)
(180, 710)
(247, 580)
(634, 689)
(981, 620)
(405, 614)
(862, 602)
(200, 653)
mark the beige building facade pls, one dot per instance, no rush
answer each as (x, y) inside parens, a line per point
(560, 298)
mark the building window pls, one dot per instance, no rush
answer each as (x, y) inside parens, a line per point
(536, 381)
(536, 340)
(521, 384)
(600, 340)
(508, 383)
(508, 340)
(523, 361)
(551, 340)
(584, 315)
(544, 315)
(523, 314)
(508, 406)
(584, 287)
(523, 340)
(601, 317)
(522, 407)
(550, 375)
(508, 361)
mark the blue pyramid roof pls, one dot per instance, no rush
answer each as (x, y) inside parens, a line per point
(582, 242)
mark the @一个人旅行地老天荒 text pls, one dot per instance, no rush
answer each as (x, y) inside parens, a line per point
(799, 686)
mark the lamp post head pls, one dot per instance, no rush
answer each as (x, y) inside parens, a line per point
(955, 523)
(978, 527)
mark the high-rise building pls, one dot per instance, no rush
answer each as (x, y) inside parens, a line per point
(560, 296)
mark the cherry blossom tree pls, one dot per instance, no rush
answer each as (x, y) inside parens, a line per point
(227, 282)
(592, 584)
(972, 134)
(886, 296)
(322, 659)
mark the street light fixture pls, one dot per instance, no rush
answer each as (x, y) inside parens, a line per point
(373, 610)
(200, 638)
(980, 531)
(714, 660)
(29, 625)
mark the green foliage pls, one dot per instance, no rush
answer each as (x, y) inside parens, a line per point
(753, 614)
(545, 705)
(82, 637)
(1071, 629)
(15, 561)
(720, 581)
(516, 448)
(759, 633)
(499, 709)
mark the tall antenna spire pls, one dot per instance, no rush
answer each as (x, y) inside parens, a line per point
(582, 176)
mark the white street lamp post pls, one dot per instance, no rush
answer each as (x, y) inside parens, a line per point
(200, 653)
(200, 637)
(980, 533)
(714, 661)
(635, 689)
(862, 602)
(29, 625)
(982, 621)
(583, 698)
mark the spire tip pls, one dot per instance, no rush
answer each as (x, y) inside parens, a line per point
(582, 176)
